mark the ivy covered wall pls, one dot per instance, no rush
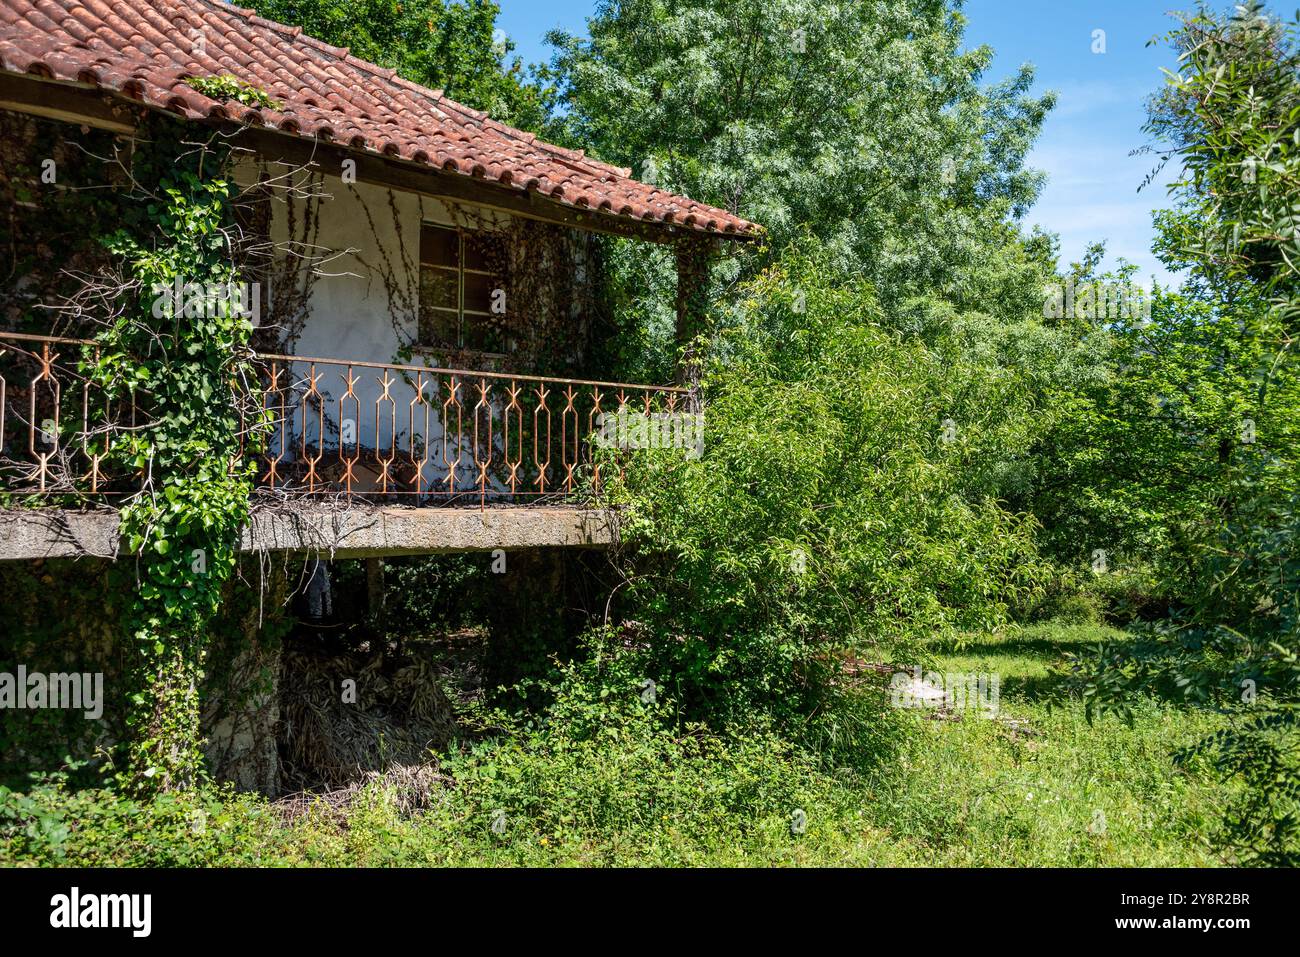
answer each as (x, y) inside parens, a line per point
(59, 192)
(351, 250)
(64, 616)
(132, 215)
(170, 626)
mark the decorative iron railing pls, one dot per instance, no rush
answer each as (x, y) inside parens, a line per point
(331, 428)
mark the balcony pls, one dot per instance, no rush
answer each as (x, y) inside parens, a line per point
(347, 442)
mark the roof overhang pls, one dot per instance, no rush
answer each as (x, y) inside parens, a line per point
(87, 105)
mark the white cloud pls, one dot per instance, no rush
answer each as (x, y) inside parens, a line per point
(1091, 196)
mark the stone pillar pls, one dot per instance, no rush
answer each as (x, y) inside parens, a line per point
(241, 689)
(693, 255)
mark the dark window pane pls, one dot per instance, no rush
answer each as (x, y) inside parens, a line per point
(438, 327)
(439, 246)
(478, 292)
(459, 273)
(439, 306)
(485, 252)
(438, 288)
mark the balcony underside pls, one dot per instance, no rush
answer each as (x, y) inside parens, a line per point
(356, 531)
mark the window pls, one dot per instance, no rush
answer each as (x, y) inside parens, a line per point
(462, 289)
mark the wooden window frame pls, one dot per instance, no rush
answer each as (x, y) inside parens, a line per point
(460, 271)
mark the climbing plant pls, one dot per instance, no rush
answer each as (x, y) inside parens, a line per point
(53, 205)
(226, 87)
(550, 276)
(179, 348)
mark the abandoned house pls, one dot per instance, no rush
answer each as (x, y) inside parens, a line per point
(424, 286)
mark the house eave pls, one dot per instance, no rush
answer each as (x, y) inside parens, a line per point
(93, 106)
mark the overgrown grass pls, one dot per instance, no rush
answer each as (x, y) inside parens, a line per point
(1054, 791)
(1041, 789)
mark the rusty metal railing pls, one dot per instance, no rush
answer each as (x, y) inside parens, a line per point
(54, 435)
(333, 428)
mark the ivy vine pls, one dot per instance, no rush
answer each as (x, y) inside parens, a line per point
(188, 368)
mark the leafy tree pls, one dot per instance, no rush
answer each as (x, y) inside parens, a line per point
(442, 44)
(863, 124)
(829, 520)
(1232, 117)
(1220, 459)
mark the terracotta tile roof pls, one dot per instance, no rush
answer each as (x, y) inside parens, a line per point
(144, 49)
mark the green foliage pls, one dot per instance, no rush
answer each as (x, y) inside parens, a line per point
(610, 758)
(227, 87)
(831, 515)
(442, 44)
(865, 124)
(1231, 116)
(424, 596)
(1217, 456)
(602, 777)
(55, 825)
(1255, 683)
(1148, 461)
(898, 442)
(184, 368)
(639, 288)
(1263, 823)
(1040, 785)
(58, 612)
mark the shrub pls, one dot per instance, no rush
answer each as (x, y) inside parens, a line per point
(830, 517)
(52, 825)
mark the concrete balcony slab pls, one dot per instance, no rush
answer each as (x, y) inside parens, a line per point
(354, 531)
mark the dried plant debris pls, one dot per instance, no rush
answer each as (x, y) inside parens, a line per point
(410, 788)
(347, 716)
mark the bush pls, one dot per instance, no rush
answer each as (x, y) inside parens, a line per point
(609, 761)
(831, 517)
(51, 825)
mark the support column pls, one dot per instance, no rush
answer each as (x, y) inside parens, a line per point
(693, 255)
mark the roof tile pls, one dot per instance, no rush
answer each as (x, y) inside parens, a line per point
(138, 48)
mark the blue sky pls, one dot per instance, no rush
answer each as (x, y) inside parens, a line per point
(1092, 191)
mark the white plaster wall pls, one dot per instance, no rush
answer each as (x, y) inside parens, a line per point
(350, 315)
